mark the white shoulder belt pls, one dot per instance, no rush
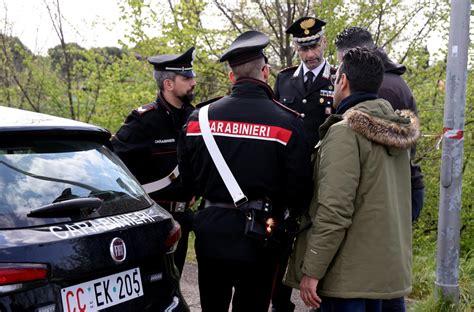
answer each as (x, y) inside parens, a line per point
(231, 184)
(161, 183)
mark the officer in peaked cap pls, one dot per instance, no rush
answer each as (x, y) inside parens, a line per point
(181, 64)
(306, 88)
(147, 140)
(307, 31)
(264, 146)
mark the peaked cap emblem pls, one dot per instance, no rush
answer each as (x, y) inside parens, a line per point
(306, 24)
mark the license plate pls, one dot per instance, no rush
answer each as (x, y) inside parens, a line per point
(103, 292)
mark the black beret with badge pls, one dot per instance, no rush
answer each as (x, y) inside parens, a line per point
(245, 48)
(181, 64)
(306, 31)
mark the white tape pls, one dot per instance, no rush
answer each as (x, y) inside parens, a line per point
(454, 51)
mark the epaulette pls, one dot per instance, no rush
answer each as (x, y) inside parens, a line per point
(299, 115)
(208, 102)
(146, 108)
(329, 70)
(288, 68)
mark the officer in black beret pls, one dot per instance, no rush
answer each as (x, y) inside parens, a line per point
(263, 145)
(306, 88)
(147, 140)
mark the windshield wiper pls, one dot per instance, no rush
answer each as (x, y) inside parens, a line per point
(37, 176)
(67, 208)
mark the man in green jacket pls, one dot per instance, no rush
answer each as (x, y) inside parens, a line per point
(356, 246)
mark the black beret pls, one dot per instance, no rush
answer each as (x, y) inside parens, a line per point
(245, 48)
(306, 31)
(181, 64)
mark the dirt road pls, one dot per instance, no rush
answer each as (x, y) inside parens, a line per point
(189, 287)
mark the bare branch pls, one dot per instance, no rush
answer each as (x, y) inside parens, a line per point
(401, 28)
(264, 10)
(209, 45)
(379, 23)
(59, 31)
(173, 12)
(417, 37)
(224, 11)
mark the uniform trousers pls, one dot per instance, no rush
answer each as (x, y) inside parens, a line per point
(250, 282)
(417, 200)
(185, 220)
(281, 299)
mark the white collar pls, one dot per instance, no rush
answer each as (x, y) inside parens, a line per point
(315, 71)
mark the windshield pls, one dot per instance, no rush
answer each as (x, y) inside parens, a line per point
(41, 172)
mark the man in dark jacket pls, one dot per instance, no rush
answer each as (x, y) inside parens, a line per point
(395, 90)
(147, 140)
(307, 88)
(263, 145)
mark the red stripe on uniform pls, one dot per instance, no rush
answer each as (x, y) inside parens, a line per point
(243, 130)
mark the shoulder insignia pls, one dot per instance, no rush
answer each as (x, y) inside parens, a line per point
(208, 102)
(146, 108)
(288, 68)
(293, 112)
(327, 71)
(296, 73)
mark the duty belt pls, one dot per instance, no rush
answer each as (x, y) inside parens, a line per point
(161, 183)
(251, 204)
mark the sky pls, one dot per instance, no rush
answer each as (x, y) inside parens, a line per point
(90, 23)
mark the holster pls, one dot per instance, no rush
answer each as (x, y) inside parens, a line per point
(255, 225)
(259, 222)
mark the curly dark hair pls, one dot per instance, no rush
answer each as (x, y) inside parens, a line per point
(354, 37)
(363, 68)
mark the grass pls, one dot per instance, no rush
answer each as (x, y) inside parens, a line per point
(424, 276)
(191, 255)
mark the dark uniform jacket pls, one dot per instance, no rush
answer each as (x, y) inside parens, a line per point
(315, 104)
(395, 90)
(264, 147)
(147, 143)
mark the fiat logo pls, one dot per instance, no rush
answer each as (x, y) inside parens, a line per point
(118, 250)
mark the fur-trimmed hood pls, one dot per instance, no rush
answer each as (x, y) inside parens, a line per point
(378, 122)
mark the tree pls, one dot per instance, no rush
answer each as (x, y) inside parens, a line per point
(270, 17)
(22, 78)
